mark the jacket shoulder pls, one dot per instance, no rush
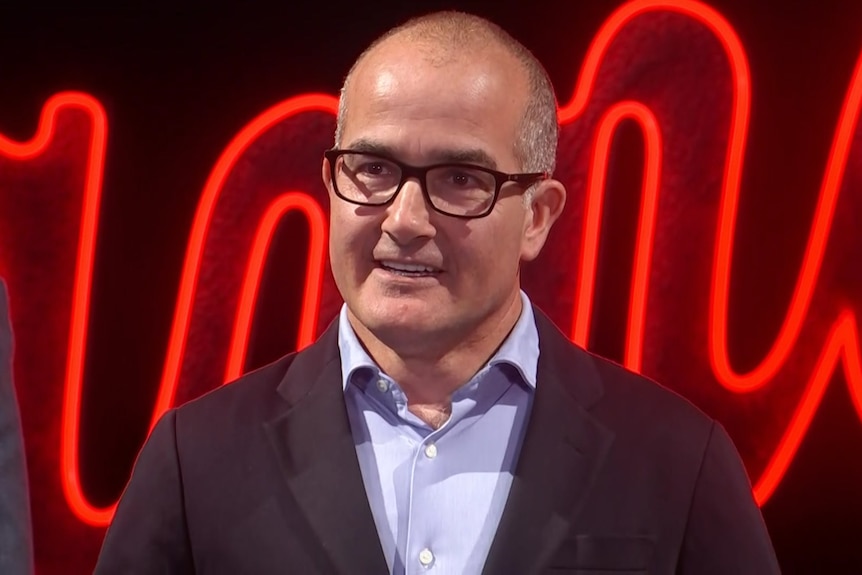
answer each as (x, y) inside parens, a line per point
(633, 397)
(252, 395)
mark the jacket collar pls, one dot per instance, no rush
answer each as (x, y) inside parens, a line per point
(314, 446)
(564, 448)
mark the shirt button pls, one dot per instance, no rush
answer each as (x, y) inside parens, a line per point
(426, 558)
(382, 385)
(430, 451)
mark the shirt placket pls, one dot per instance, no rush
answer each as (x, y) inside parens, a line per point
(422, 552)
(425, 552)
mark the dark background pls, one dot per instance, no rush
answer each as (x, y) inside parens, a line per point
(178, 84)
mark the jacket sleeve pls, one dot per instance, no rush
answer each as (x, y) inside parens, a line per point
(16, 546)
(149, 532)
(725, 532)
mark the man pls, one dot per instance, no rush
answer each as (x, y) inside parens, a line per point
(16, 546)
(442, 424)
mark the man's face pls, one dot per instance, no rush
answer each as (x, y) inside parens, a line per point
(420, 110)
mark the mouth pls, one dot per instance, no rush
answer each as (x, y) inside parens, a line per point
(410, 270)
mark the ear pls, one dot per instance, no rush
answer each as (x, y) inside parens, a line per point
(326, 174)
(549, 198)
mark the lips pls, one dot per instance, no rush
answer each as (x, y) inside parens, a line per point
(409, 269)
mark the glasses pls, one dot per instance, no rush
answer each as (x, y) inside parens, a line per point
(458, 190)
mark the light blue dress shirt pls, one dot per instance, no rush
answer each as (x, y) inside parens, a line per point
(437, 495)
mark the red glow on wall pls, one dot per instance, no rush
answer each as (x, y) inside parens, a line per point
(843, 337)
(200, 227)
(646, 227)
(188, 291)
(82, 283)
(842, 341)
(313, 276)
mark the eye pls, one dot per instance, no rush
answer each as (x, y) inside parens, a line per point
(367, 166)
(461, 178)
(374, 168)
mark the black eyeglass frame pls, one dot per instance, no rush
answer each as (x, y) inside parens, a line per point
(525, 180)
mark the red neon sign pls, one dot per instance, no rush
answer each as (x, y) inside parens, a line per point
(313, 277)
(235, 253)
(84, 264)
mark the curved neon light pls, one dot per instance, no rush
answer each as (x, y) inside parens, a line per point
(840, 335)
(70, 425)
(188, 282)
(313, 276)
(70, 476)
(646, 227)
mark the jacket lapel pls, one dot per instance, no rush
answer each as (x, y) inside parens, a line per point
(315, 449)
(563, 449)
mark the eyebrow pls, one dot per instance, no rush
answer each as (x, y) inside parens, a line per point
(443, 156)
(468, 156)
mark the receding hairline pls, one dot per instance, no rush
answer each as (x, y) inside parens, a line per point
(448, 34)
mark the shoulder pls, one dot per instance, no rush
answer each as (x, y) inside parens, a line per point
(236, 414)
(250, 395)
(641, 413)
(635, 400)
(654, 428)
(228, 417)
(267, 391)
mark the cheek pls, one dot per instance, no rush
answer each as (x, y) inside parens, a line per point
(344, 227)
(338, 239)
(493, 256)
(350, 241)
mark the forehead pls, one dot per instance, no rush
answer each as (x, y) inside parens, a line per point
(420, 100)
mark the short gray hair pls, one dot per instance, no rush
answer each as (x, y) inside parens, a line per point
(536, 143)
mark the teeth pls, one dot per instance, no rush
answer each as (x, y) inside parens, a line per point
(412, 268)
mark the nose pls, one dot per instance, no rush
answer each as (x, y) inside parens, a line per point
(408, 217)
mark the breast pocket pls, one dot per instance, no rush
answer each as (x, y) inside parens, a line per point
(608, 554)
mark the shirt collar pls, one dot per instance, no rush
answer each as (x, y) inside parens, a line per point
(520, 348)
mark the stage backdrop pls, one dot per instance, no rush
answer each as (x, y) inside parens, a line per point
(163, 227)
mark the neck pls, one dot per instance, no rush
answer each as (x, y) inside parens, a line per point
(429, 374)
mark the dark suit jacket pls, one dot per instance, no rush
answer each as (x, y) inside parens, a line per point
(616, 475)
(16, 547)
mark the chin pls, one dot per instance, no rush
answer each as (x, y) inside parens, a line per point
(400, 317)
(405, 320)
